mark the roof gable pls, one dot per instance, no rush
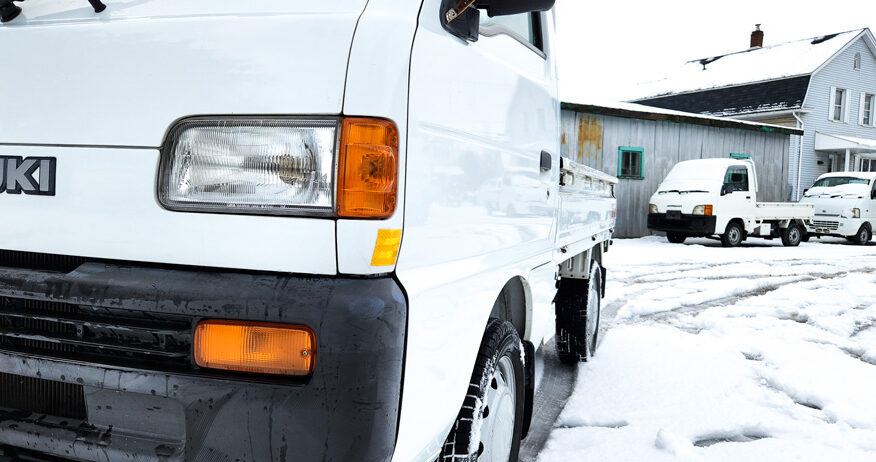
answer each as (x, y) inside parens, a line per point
(790, 59)
(864, 35)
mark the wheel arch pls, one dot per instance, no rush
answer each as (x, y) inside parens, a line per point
(514, 304)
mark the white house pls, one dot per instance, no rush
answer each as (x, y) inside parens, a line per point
(822, 85)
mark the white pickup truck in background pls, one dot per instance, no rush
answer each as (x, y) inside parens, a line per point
(271, 230)
(718, 197)
(845, 206)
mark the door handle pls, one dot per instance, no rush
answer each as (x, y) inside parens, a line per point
(748, 197)
(546, 161)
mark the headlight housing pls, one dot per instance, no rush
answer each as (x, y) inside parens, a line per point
(856, 213)
(703, 210)
(326, 166)
(652, 208)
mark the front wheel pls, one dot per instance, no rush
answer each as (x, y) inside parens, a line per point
(490, 423)
(792, 235)
(676, 238)
(863, 236)
(732, 237)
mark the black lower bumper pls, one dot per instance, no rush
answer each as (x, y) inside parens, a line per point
(347, 410)
(688, 225)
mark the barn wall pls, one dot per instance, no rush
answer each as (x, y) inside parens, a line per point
(667, 143)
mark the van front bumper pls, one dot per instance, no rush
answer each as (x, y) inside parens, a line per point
(347, 410)
(688, 225)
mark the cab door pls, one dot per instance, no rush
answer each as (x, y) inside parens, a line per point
(740, 198)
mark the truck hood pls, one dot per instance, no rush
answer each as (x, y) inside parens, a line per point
(122, 77)
(838, 206)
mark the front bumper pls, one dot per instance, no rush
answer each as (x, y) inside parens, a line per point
(688, 225)
(834, 226)
(348, 409)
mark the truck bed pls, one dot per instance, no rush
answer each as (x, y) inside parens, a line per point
(587, 206)
(783, 211)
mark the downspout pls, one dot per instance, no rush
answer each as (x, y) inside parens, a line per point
(799, 156)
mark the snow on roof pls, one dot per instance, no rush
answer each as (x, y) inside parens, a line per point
(865, 175)
(799, 57)
(863, 142)
(640, 111)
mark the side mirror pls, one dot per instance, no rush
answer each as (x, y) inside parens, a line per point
(805, 191)
(507, 7)
(462, 17)
(727, 189)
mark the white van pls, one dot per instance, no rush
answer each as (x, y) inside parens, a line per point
(718, 197)
(845, 206)
(277, 230)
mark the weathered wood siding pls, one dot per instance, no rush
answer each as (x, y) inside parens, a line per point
(665, 144)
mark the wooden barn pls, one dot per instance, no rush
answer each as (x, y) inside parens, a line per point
(640, 144)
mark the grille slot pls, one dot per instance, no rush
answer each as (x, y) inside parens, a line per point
(42, 396)
(40, 261)
(829, 225)
(103, 335)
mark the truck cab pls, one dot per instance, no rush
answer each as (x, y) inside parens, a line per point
(845, 206)
(275, 231)
(718, 198)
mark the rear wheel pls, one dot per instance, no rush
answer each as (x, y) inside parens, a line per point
(792, 235)
(676, 238)
(732, 237)
(490, 423)
(863, 236)
(578, 306)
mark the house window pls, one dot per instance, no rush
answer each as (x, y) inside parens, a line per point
(737, 177)
(857, 61)
(867, 101)
(868, 165)
(838, 104)
(631, 163)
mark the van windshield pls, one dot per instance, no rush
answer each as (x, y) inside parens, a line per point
(830, 182)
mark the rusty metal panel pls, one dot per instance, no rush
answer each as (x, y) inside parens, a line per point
(589, 140)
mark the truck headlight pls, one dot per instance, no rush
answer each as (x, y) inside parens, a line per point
(703, 210)
(250, 165)
(652, 208)
(282, 166)
(856, 213)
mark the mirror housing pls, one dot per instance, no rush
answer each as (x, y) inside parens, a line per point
(466, 26)
(508, 7)
(727, 189)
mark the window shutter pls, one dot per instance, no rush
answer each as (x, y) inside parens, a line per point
(846, 105)
(831, 109)
(861, 108)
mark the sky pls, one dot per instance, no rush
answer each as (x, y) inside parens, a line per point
(606, 47)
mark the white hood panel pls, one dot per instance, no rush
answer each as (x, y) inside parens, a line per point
(122, 77)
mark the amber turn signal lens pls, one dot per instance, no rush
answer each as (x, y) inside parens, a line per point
(708, 210)
(254, 347)
(368, 168)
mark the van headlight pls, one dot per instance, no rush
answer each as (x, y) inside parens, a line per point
(856, 213)
(250, 165)
(703, 210)
(652, 208)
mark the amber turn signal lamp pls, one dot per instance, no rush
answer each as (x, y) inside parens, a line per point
(368, 168)
(255, 347)
(708, 210)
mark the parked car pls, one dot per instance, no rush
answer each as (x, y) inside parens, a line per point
(845, 206)
(718, 197)
(252, 230)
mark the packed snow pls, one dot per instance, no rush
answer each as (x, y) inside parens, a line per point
(759, 353)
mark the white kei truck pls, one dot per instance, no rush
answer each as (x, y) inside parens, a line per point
(845, 206)
(718, 197)
(266, 230)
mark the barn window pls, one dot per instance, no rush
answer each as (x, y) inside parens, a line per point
(631, 163)
(857, 61)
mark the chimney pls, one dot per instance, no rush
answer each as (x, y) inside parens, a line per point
(757, 37)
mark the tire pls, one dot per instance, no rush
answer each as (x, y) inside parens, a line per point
(792, 235)
(863, 236)
(578, 311)
(732, 237)
(676, 238)
(490, 423)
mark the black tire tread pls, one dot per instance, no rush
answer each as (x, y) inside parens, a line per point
(499, 336)
(572, 343)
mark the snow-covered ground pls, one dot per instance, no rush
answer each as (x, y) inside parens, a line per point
(760, 353)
